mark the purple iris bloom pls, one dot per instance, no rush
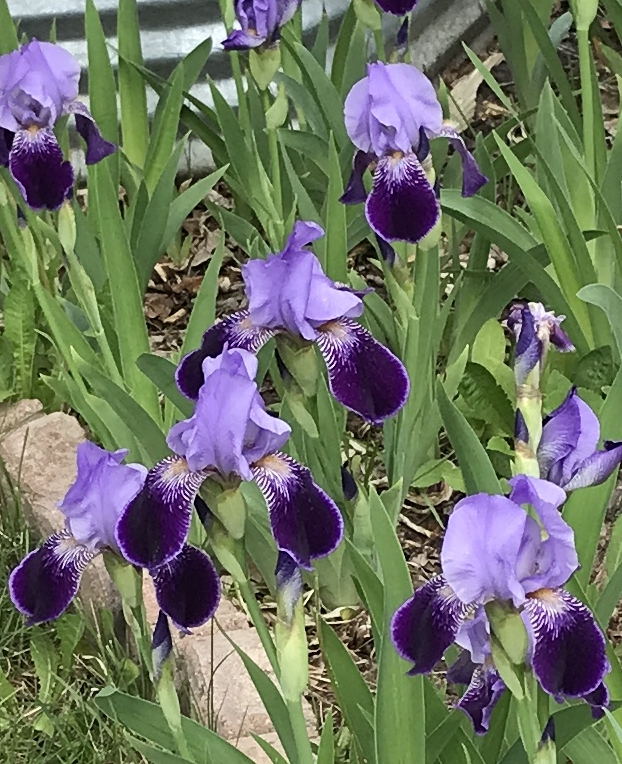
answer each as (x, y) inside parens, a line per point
(38, 86)
(390, 116)
(568, 454)
(45, 582)
(288, 293)
(494, 551)
(535, 329)
(230, 438)
(261, 21)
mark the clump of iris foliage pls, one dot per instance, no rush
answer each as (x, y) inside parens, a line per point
(190, 474)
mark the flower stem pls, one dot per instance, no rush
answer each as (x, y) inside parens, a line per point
(275, 164)
(301, 736)
(380, 49)
(259, 623)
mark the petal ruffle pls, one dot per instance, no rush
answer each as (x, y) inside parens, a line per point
(427, 624)
(187, 588)
(568, 647)
(97, 147)
(39, 169)
(363, 375)
(306, 522)
(355, 192)
(597, 467)
(481, 696)
(237, 331)
(402, 204)
(155, 525)
(47, 579)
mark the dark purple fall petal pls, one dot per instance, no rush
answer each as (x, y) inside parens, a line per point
(237, 331)
(97, 148)
(155, 525)
(161, 644)
(427, 624)
(461, 671)
(569, 657)
(6, 141)
(355, 192)
(47, 579)
(306, 522)
(363, 375)
(37, 165)
(481, 697)
(402, 204)
(187, 588)
(599, 700)
(397, 7)
(387, 252)
(596, 468)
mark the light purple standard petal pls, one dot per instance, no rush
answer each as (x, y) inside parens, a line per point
(355, 192)
(561, 432)
(397, 7)
(290, 291)
(37, 165)
(101, 491)
(97, 148)
(47, 579)
(188, 588)
(230, 427)
(363, 375)
(235, 331)
(155, 525)
(482, 695)
(487, 548)
(596, 468)
(556, 559)
(427, 624)
(402, 204)
(306, 522)
(568, 648)
(472, 177)
(58, 69)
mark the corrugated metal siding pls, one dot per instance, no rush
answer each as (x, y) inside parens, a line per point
(170, 29)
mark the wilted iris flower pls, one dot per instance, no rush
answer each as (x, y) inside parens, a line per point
(230, 438)
(494, 552)
(390, 116)
(38, 86)
(261, 22)
(289, 294)
(568, 454)
(45, 582)
(535, 330)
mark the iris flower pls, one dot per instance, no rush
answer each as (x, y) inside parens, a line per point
(494, 551)
(391, 115)
(535, 330)
(260, 21)
(568, 454)
(38, 86)
(230, 438)
(46, 581)
(289, 294)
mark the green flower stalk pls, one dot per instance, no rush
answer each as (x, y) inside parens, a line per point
(535, 330)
